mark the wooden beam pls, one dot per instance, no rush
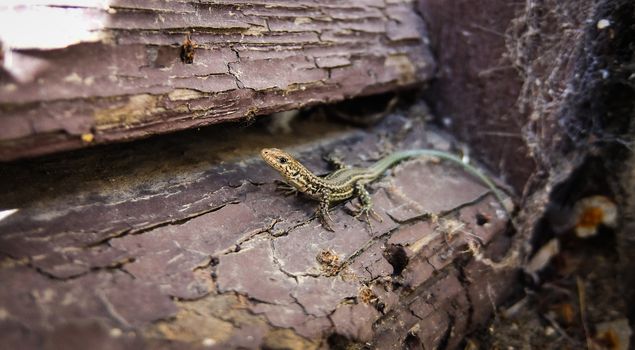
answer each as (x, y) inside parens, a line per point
(138, 68)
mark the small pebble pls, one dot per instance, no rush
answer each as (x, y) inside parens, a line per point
(116, 332)
(603, 23)
(549, 331)
(209, 342)
(88, 137)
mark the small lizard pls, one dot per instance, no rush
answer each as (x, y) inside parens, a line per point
(346, 182)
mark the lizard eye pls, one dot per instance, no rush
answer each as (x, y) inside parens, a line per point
(282, 160)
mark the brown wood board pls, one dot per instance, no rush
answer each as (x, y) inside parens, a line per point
(183, 239)
(122, 72)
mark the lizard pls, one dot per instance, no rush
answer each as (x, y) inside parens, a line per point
(348, 182)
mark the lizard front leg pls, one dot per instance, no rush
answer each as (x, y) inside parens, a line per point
(285, 188)
(366, 208)
(323, 210)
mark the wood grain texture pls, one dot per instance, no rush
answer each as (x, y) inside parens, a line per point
(117, 73)
(174, 243)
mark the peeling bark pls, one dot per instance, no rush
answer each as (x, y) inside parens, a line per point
(123, 71)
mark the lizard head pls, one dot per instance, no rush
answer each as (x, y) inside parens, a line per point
(280, 160)
(294, 173)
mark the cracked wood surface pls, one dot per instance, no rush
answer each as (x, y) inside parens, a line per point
(120, 71)
(182, 239)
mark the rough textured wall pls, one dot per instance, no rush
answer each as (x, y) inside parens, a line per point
(552, 80)
(477, 84)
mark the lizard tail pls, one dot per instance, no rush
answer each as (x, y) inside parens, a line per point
(382, 165)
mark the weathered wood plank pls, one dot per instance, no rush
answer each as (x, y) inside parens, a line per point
(118, 73)
(184, 241)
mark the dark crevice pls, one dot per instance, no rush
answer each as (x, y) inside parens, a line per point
(481, 219)
(107, 240)
(304, 310)
(459, 265)
(397, 257)
(381, 307)
(417, 218)
(415, 315)
(365, 247)
(253, 235)
(237, 184)
(116, 266)
(445, 339)
(285, 232)
(337, 341)
(372, 278)
(412, 342)
(138, 231)
(427, 216)
(434, 269)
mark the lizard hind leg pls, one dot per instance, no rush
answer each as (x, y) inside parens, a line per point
(366, 207)
(334, 161)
